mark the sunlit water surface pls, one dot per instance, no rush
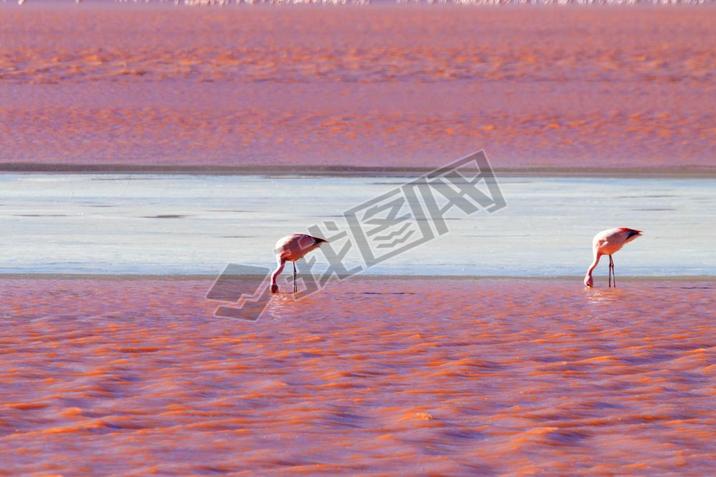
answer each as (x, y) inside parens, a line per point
(379, 376)
(368, 86)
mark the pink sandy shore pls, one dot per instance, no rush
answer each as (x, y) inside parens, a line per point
(370, 87)
(132, 376)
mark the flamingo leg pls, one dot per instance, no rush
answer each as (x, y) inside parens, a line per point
(614, 273)
(295, 288)
(611, 270)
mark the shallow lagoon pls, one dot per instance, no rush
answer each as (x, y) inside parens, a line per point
(181, 224)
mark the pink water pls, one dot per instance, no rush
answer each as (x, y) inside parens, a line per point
(379, 86)
(374, 376)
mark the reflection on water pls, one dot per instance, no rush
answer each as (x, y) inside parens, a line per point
(386, 376)
(174, 224)
(603, 295)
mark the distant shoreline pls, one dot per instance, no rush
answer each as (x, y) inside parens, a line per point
(191, 4)
(686, 172)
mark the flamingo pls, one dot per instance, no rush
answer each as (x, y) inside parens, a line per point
(609, 242)
(289, 249)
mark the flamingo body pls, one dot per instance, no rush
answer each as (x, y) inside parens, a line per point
(290, 249)
(608, 242)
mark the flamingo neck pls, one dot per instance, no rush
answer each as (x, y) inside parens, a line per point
(277, 272)
(594, 264)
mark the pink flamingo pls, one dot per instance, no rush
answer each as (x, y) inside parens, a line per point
(289, 249)
(609, 242)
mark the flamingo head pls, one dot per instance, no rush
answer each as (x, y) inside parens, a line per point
(274, 288)
(588, 282)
